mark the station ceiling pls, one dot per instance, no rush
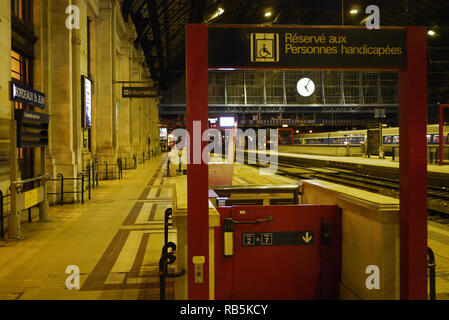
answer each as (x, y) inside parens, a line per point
(160, 26)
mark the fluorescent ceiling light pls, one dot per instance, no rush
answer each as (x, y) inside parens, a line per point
(353, 11)
(431, 33)
(268, 14)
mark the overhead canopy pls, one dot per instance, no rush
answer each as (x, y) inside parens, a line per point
(160, 25)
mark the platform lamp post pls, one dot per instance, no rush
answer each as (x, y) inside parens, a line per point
(441, 139)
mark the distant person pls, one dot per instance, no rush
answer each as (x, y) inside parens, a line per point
(180, 146)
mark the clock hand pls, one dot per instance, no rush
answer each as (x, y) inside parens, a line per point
(307, 85)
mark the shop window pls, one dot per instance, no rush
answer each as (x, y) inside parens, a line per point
(22, 9)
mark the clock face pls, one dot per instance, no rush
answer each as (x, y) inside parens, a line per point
(305, 87)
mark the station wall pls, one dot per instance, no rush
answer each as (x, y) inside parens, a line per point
(5, 104)
(120, 126)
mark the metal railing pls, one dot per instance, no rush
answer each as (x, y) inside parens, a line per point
(92, 171)
(142, 157)
(167, 223)
(128, 163)
(81, 180)
(2, 213)
(167, 258)
(431, 265)
(109, 171)
(3, 216)
(228, 191)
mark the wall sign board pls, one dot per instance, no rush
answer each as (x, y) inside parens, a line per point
(140, 92)
(32, 128)
(235, 47)
(86, 98)
(22, 93)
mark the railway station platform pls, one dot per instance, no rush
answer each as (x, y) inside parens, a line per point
(116, 238)
(386, 168)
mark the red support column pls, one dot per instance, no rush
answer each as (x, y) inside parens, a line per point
(441, 140)
(197, 173)
(413, 167)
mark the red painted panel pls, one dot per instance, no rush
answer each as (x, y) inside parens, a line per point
(197, 174)
(413, 167)
(330, 254)
(442, 138)
(283, 271)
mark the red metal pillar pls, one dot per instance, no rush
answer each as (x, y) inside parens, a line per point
(197, 173)
(441, 140)
(413, 167)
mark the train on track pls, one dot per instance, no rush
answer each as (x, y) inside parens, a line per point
(390, 138)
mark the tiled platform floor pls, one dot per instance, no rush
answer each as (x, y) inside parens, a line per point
(116, 238)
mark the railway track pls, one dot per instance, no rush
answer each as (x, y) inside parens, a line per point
(438, 197)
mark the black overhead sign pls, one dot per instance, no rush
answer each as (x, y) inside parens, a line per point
(140, 92)
(27, 95)
(282, 238)
(32, 128)
(246, 47)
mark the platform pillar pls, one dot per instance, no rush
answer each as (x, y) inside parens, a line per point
(197, 171)
(413, 167)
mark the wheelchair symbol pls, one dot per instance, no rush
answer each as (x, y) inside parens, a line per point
(264, 52)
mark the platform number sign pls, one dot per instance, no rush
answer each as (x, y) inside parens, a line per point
(281, 238)
(266, 239)
(249, 239)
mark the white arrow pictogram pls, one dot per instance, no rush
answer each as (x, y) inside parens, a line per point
(306, 238)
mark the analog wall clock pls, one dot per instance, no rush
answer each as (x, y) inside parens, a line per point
(305, 87)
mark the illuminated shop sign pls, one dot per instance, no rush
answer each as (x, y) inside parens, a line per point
(306, 47)
(163, 133)
(26, 95)
(227, 122)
